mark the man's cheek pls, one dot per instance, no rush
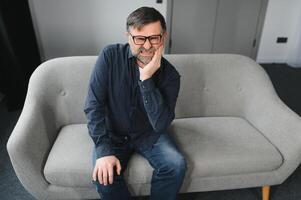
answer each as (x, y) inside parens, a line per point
(135, 52)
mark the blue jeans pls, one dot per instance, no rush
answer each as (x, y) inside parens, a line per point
(169, 170)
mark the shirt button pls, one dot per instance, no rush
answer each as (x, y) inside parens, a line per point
(125, 137)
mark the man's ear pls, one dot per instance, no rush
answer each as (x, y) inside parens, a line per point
(165, 35)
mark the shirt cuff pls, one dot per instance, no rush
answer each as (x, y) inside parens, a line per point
(104, 150)
(146, 85)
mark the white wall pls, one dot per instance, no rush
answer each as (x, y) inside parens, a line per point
(294, 55)
(82, 27)
(77, 27)
(282, 20)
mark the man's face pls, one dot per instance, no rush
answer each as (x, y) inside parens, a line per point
(145, 51)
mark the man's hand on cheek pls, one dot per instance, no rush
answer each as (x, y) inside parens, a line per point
(153, 65)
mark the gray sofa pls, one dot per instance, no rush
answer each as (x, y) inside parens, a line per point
(232, 127)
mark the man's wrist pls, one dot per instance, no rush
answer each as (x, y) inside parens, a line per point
(144, 76)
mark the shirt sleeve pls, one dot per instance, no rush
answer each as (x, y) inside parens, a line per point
(160, 105)
(95, 107)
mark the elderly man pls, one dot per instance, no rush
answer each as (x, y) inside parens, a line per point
(130, 104)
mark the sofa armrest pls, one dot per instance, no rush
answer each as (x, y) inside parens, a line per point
(30, 143)
(279, 124)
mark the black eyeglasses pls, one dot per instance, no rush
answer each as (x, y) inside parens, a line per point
(140, 40)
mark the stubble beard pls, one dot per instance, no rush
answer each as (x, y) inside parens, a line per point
(144, 59)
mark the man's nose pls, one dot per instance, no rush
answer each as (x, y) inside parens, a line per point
(147, 45)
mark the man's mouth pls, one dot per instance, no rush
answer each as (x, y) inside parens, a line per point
(145, 52)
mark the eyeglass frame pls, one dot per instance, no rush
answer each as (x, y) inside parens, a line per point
(145, 38)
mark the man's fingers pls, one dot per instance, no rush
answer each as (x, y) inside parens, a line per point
(160, 49)
(159, 53)
(99, 175)
(94, 173)
(111, 175)
(105, 176)
(118, 167)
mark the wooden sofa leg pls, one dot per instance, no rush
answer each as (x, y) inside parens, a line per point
(266, 192)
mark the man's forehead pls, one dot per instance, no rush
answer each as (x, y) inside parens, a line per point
(148, 29)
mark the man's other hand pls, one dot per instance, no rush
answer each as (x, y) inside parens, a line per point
(103, 170)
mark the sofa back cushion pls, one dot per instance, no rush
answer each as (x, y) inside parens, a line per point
(60, 85)
(211, 85)
(217, 84)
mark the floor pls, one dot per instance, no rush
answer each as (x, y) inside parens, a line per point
(287, 82)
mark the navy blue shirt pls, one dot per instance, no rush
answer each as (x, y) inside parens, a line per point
(121, 108)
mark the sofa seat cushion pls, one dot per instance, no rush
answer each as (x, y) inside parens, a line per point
(213, 146)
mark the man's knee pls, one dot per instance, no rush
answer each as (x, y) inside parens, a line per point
(180, 165)
(173, 166)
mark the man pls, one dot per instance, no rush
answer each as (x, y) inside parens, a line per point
(130, 104)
